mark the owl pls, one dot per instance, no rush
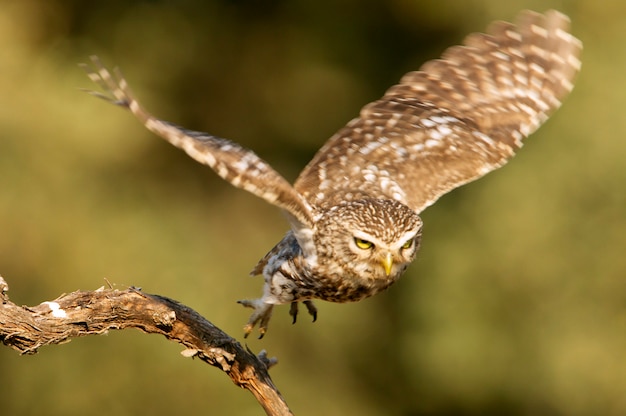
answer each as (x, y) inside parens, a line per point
(354, 210)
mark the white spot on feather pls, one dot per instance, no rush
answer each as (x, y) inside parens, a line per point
(484, 138)
(370, 147)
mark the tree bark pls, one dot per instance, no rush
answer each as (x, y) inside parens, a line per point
(82, 313)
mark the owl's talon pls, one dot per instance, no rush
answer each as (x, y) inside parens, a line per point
(247, 329)
(293, 312)
(261, 315)
(310, 307)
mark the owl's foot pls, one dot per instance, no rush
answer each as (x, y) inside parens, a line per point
(261, 315)
(310, 307)
(263, 312)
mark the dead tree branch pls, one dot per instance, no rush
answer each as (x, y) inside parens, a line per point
(82, 313)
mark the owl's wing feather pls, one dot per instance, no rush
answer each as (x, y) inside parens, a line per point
(237, 165)
(454, 120)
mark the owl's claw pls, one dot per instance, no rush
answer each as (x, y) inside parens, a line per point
(310, 307)
(261, 315)
(263, 312)
(293, 311)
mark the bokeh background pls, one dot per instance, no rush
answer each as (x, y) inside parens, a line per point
(515, 306)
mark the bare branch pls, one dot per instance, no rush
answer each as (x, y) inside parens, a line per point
(82, 313)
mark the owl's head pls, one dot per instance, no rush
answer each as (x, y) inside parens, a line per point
(369, 240)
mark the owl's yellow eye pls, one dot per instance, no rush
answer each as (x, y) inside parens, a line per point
(408, 244)
(363, 244)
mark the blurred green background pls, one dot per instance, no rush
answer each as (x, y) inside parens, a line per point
(516, 304)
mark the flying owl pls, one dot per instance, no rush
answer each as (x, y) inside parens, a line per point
(354, 209)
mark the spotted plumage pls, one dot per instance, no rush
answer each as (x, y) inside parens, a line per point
(353, 210)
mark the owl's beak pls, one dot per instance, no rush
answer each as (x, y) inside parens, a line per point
(387, 262)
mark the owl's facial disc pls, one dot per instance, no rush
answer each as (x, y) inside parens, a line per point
(399, 252)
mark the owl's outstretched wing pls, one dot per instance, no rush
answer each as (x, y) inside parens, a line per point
(454, 120)
(237, 165)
